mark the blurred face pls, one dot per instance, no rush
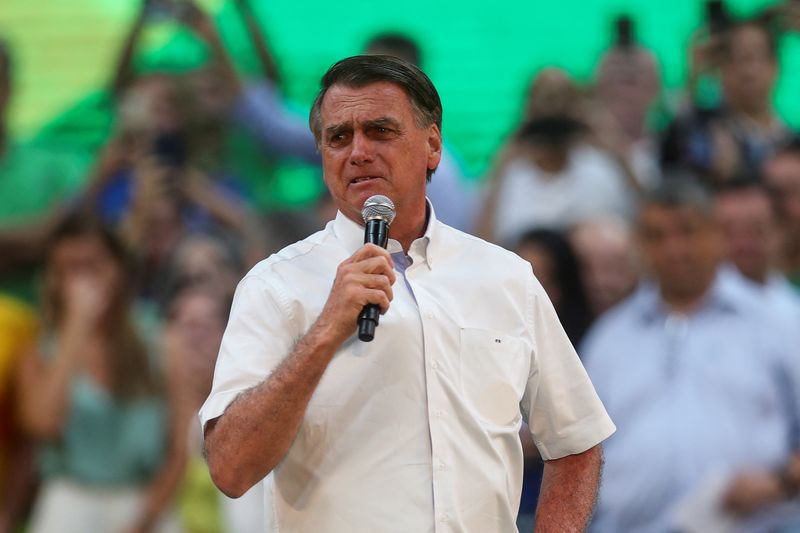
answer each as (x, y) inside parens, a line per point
(371, 144)
(749, 231)
(608, 267)
(203, 262)
(748, 73)
(627, 85)
(681, 247)
(151, 107)
(782, 174)
(197, 323)
(83, 258)
(198, 318)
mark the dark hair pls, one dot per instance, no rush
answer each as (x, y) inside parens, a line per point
(679, 192)
(397, 45)
(360, 71)
(131, 371)
(573, 311)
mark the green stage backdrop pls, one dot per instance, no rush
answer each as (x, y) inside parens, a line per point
(480, 55)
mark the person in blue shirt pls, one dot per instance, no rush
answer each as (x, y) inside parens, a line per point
(702, 379)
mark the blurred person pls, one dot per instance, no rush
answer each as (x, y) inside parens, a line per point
(754, 244)
(18, 327)
(195, 321)
(626, 86)
(35, 182)
(453, 198)
(94, 395)
(260, 107)
(556, 267)
(297, 395)
(550, 174)
(703, 379)
(609, 264)
(734, 139)
(782, 177)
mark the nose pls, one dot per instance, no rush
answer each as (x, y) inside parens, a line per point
(360, 150)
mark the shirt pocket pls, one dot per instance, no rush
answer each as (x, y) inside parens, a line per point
(494, 372)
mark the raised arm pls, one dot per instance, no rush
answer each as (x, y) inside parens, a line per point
(253, 435)
(123, 71)
(569, 491)
(259, 41)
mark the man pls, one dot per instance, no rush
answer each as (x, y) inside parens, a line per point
(753, 241)
(735, 139)
(417, 430)
(702, 379)
(782, 176)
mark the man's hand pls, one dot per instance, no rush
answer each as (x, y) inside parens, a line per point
(364, 278)
(255, 432)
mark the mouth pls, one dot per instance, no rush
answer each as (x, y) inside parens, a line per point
(363, 179)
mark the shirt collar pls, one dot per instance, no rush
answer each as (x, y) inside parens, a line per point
(351, 234)
(724, 296)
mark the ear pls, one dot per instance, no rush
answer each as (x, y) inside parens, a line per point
(434, 146)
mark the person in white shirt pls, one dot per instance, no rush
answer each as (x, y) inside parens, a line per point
(418, 429)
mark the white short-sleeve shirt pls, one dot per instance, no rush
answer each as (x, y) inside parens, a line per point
(418, 429)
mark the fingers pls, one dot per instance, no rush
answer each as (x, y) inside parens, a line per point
(364, 278)
(374, 260)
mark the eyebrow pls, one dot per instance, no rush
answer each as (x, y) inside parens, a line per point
(348, 126)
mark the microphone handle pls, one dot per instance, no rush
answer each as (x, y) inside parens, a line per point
(376, 231)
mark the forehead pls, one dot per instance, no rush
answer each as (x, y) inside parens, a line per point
(655, 215)
(78, 248)
(381, 99)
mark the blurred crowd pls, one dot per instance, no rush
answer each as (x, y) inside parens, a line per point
(671, 255)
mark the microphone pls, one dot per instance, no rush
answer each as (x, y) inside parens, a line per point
(378, 214)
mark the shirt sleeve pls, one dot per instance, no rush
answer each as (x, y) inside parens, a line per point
(258, 337)
(564, 413)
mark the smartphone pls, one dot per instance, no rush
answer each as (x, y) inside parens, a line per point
(717, 18)
(624, 31)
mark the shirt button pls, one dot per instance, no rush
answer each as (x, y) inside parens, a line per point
(435, 365)
(437, 413)
(429, 314)
(444, 517)
(441, 466)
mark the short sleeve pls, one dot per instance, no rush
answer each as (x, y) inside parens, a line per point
(258, 337)
(564, 413)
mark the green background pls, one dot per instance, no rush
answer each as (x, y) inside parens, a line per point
(481, 55)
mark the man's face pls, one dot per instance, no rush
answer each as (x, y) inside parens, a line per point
(749, 71)
(782, 174)
(681, 247)
(749, 231)
(371, 144)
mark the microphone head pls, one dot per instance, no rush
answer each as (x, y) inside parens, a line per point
(378, 207)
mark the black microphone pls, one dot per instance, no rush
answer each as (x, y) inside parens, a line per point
(378, 214)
